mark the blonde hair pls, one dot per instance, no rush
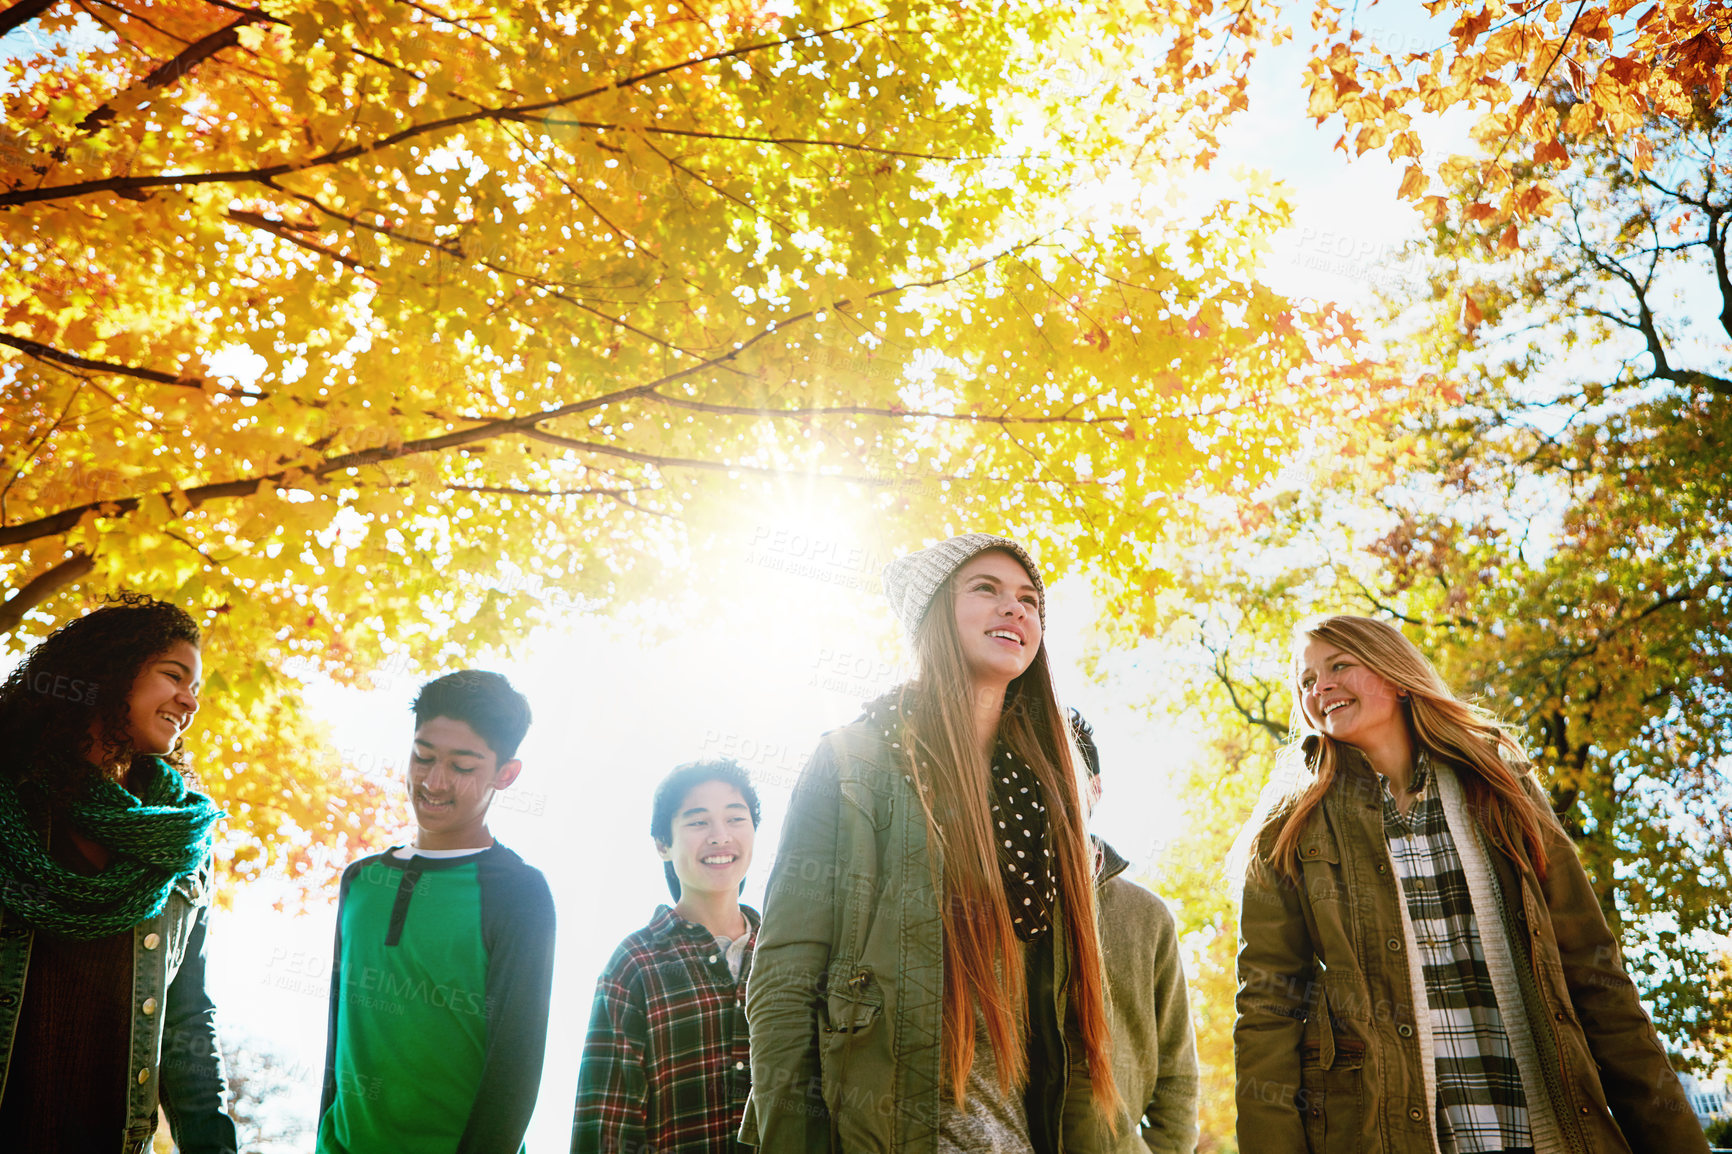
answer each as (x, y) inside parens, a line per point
(982, 958)
(1438, 721)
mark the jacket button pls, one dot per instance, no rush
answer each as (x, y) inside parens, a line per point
(143, 1077)
(1311, 852)
(1393, 943)
(8, 999)
(1559, 1015)
(151, 941)
(1416, 1114)
(1382, 869)
(1405, 1030)
(1587, 1109)
(149, 1007)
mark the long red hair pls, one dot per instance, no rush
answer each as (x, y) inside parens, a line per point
(982, 956)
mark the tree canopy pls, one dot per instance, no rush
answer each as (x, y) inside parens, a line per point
(316, 314)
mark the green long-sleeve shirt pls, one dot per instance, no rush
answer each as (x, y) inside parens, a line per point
(440, 984)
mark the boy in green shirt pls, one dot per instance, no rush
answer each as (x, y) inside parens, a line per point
(443, 966)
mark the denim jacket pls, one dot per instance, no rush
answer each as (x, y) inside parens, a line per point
(173, 1046)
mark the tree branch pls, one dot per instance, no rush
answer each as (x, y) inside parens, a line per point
(30, 453)
(285, 231)
(169, 71)
(893, 413)
(1717, 246)
(71, 360)
(43, 586)
(524, 424)
(661, 462)
(616, 494)
(25, 10)
(785, 141)
(1645, 324)
(134, 185)
(1257, 718)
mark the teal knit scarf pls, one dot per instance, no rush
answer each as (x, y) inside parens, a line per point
(157, 837)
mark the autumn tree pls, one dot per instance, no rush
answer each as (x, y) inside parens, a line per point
(365, 328)
(1627, 67)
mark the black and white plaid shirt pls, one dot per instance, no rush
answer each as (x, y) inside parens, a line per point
(1481, 1106)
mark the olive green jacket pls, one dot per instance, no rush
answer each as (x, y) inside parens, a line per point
(845, 1000)
(1327, 1046)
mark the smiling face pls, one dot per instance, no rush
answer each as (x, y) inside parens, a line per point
(712, 840)
(1343, 698)
(163, 699)
(453, 775)
(997, 618)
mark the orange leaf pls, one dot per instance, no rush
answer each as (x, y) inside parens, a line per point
(1471, 316)
(1469, 28)
(1551, 152)
(1323, 99)
(1413, 183)
(1509, 242)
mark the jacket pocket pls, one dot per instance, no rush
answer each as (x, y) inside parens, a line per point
(859, 1102)
(1331, 1085)
(1320, 866)
(874, 805)
(855, 1006)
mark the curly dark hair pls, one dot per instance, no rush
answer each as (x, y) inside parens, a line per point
(81, 673)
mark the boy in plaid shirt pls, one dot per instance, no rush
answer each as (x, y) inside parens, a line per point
(665, 1065)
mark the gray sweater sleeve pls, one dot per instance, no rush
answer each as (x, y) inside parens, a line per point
(1155, 1050)
(1170, 1117)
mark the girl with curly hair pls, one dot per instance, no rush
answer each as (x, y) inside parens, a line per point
(104, 876)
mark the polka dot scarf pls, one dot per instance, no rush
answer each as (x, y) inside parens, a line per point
(1019, 826)
(1019, 832)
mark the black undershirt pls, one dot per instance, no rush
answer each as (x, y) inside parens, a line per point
(67, 1080)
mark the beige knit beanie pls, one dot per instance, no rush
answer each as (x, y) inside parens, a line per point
(912, 581)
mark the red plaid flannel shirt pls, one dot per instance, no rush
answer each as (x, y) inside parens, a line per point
(666, 1066)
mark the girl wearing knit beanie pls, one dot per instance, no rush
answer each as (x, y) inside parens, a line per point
(927, 978)
(104, 873)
